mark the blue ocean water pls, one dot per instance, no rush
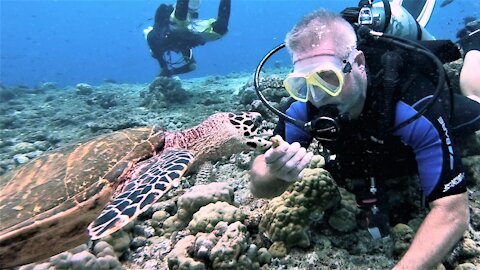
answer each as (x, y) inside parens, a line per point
(91, 41)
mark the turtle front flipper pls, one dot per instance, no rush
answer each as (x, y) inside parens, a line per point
(150, 181)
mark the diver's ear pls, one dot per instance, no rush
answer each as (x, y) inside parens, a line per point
(359, 58)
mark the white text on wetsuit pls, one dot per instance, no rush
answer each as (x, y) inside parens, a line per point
(454, 182)
(447, 141)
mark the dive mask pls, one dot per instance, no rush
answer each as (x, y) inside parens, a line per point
(327, 76)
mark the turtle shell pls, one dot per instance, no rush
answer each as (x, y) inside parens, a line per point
(53, 198)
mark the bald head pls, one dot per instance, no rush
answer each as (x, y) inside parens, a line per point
(321, 29)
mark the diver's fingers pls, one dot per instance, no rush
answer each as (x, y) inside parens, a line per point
(296, 171)
(274, 153)
(305, 161)
(290, 152)
(293, 162)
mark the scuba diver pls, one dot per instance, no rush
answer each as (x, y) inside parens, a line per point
(379, 107)
(178, 30)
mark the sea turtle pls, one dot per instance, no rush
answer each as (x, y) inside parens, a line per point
(47, 205)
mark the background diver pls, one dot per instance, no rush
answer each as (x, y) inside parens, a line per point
(178, 30)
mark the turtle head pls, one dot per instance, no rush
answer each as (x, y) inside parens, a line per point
(249, 125)
(222, 134)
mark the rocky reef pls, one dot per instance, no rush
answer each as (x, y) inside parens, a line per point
(212, 221)
(164, 92)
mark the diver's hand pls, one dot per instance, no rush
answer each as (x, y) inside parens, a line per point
(286, 161)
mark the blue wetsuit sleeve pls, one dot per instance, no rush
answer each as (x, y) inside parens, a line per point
(297, 110)
(438, 160)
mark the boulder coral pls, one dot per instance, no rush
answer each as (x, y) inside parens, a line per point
(190, 202)
(210, 215)
(226, 247)
(287, 217)
(102, 257)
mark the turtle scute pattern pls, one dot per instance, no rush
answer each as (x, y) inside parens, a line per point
(158, 175)
(50, 201)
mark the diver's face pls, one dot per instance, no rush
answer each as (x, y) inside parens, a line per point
(351, 98)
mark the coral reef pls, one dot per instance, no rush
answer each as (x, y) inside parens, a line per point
(287, 218)
(84, 89)
(80, 258)
(226, 247)
(162, 92)
(104, 100)
(35, 120)
(271, 87)
(402, 236)
(210, 215)
(343, 218)
(6, 94)
(192, 201)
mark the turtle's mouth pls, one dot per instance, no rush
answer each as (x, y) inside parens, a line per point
(264, 130)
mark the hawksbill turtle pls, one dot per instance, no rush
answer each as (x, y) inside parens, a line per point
(104, 183)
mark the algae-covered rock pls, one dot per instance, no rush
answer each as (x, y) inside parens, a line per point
(180, 257)
(343, 219)
(230, 246)
(208, 216)
(83, 89)
(120, 242)
(162, 92)
(402, 236)
(287, 218)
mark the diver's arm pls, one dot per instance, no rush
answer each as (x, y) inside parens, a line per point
(273, 172)
(440, 231)
(469, 79)
(443, 183)
(469, 41)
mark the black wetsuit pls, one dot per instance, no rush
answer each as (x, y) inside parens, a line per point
(166, 37)
(427, 146)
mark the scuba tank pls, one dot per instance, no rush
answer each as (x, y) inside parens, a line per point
(387, 17)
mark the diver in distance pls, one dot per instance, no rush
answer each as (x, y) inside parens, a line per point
(178, 30)
(381, 107)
